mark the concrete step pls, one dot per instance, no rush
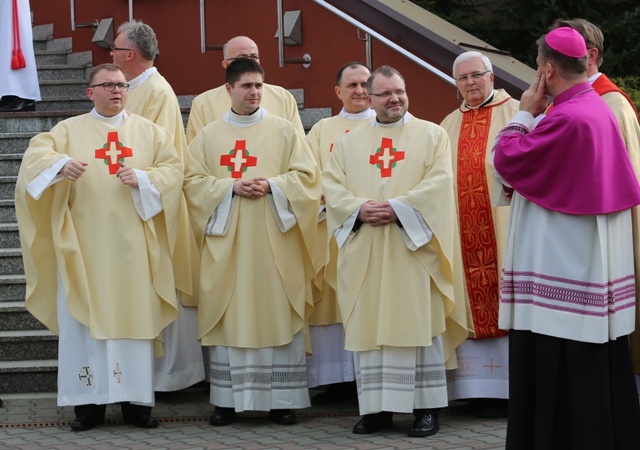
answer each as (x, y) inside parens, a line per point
(11, 261)
(34, 122)
(309, 116)
(43, 32)
(14, 316)
(64, 72)
(7, 190)
(69, 89)
(12, 288)
(82, 104)
(9, 237)
(29, 376)
(25, 345)
(7, 211)
(44, 57)
(15, 142)
(10, 163)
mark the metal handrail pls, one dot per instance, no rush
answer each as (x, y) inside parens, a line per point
(203, 38)
(387, 42)
(305, 60)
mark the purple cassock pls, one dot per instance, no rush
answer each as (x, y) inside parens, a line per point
(574, 161)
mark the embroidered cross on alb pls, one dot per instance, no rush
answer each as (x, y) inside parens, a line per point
(117, 373)
(86, 376)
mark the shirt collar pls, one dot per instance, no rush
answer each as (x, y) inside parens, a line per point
(239, 121)
(362, 115)
(115, 121)
(137, 81)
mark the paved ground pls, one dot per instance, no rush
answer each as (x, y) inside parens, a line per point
(35, 422)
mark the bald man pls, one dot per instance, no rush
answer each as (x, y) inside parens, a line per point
(213, 104)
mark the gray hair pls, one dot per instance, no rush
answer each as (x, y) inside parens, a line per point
(466, 56)
(142, 37)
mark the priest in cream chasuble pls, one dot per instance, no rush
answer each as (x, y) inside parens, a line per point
(389, 194)
(97, 204)
(253, 191)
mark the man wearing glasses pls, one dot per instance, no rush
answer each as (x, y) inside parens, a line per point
(97, 205)
(150, 95)
(482, 375)
(215, 103)
(388, 189)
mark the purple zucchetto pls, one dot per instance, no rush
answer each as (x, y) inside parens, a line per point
(567, 41)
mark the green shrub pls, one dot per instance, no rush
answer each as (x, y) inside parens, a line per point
(631, 85)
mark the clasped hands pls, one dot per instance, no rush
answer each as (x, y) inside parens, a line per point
(254, 188)
(377, 213)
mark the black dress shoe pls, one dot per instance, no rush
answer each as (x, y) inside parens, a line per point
(425, 424)
(84, 423)
(11, 103)
(370, 423)
(283, 416)
(1, 402)
(144, 421)
(222, 416)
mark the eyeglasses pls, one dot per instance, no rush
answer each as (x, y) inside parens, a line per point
(387, 94)
(113, 47)
(111, 87)
(475, 76)
(253, 56)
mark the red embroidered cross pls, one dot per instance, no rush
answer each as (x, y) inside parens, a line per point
(113, 152)
(332, 144)
(386, 157)
(238, 160)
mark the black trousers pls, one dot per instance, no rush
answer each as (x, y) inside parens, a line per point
(569, 395)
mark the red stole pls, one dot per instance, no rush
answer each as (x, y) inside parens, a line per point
(603, 85)
(17, 58)
(477, 232)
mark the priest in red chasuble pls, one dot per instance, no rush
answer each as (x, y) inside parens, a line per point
(482, 375)
(390, 205)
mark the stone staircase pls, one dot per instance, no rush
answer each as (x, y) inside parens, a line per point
(28, 352)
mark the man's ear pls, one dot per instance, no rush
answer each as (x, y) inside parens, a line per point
(593, 56)
(549, 70)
